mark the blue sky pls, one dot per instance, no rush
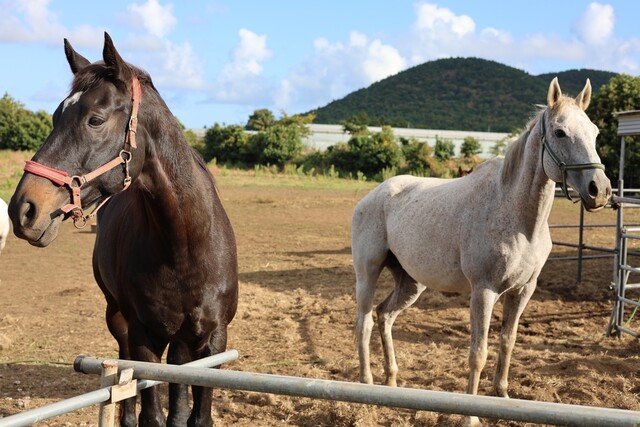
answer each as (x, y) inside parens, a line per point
(218, 61)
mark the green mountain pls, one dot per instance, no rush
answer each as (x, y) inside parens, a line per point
(458, 94)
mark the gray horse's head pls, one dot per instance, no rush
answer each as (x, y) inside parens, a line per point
(569, 147)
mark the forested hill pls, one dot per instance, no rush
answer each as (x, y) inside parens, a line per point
(457, 93)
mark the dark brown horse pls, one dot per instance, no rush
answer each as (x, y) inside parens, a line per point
(165, 252)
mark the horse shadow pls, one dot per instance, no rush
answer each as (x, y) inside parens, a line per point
(24, 382)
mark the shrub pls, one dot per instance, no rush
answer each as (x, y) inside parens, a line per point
(276, 145)
(228, 144)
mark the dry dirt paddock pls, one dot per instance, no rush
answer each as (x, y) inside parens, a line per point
(296, 317)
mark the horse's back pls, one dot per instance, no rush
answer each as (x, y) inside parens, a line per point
(407, 215)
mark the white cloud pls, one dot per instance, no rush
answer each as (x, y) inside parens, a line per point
(33, 22)
(180, 68)
(439, 33)
(158, 20)
(595, 26)
(241, 78)
(381, 61)
(430, 17)
(335, 69)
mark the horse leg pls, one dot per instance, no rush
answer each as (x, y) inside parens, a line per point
(203, 396)
(146, 348)
(367, 272)
(514, 304)
(178, 354)
(119, 329)
(481, 307)
(405, 293)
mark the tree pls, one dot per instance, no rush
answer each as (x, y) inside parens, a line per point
(194, 141)
(228, 144)
(372, 154)
(277, 144)
(22, 129)
(621, 93)
(443, 149)
(299, 120)
(417, 156)
(357, 124)
(470, 147)
(260, 120)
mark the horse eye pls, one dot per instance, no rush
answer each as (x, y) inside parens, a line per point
(559, 133)
(95, 121)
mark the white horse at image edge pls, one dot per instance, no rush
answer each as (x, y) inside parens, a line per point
(4, 224)
(486, 233)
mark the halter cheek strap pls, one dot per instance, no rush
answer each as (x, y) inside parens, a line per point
(564, 167)
(75, 182)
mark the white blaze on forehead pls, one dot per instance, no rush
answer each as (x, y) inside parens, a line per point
(71, 100)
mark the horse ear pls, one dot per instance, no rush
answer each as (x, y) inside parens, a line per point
(584, 97)
(113, 59)
(554, 92)
(76, 61)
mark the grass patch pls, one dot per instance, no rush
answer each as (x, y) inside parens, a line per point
(11, 164)
(230, 178)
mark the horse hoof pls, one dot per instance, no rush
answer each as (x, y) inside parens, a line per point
(473, 422)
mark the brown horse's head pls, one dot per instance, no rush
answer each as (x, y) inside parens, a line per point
(90, 130)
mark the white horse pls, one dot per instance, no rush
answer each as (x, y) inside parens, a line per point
(486, 233)
(4, 224)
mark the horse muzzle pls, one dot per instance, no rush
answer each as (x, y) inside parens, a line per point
(35, 211)
(594, 189)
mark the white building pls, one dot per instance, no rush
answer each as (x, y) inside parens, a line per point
(323, 136)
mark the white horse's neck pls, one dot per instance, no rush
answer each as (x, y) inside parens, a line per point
(531, 191)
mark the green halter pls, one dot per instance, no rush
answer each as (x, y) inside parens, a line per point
(562, 165)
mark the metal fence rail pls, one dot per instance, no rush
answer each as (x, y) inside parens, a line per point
(425, 400)
(100, 395)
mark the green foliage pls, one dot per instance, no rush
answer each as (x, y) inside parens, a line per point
(194, 141)
(277, 145)
(227, 144)
(470, 147)
(260, 120)
(455, 93)
(418, 157)
(22, 129)
(622, 93)
(372, 154)
(443, 149)
(356, 124)
(499, 148)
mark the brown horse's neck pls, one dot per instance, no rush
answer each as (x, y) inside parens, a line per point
(179, 187)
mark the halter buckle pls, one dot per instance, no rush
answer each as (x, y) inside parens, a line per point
(79, 220)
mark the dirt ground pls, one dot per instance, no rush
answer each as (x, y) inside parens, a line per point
(296, 317)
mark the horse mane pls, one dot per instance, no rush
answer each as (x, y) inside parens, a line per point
(91, 75)
(515, 150)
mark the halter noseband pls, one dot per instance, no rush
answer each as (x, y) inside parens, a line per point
(75, 182)
(562, 165)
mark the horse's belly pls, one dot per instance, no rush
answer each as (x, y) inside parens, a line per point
(441, 279)
(431, 258)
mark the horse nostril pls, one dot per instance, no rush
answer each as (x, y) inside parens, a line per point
(593, 189)
(27, 213)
